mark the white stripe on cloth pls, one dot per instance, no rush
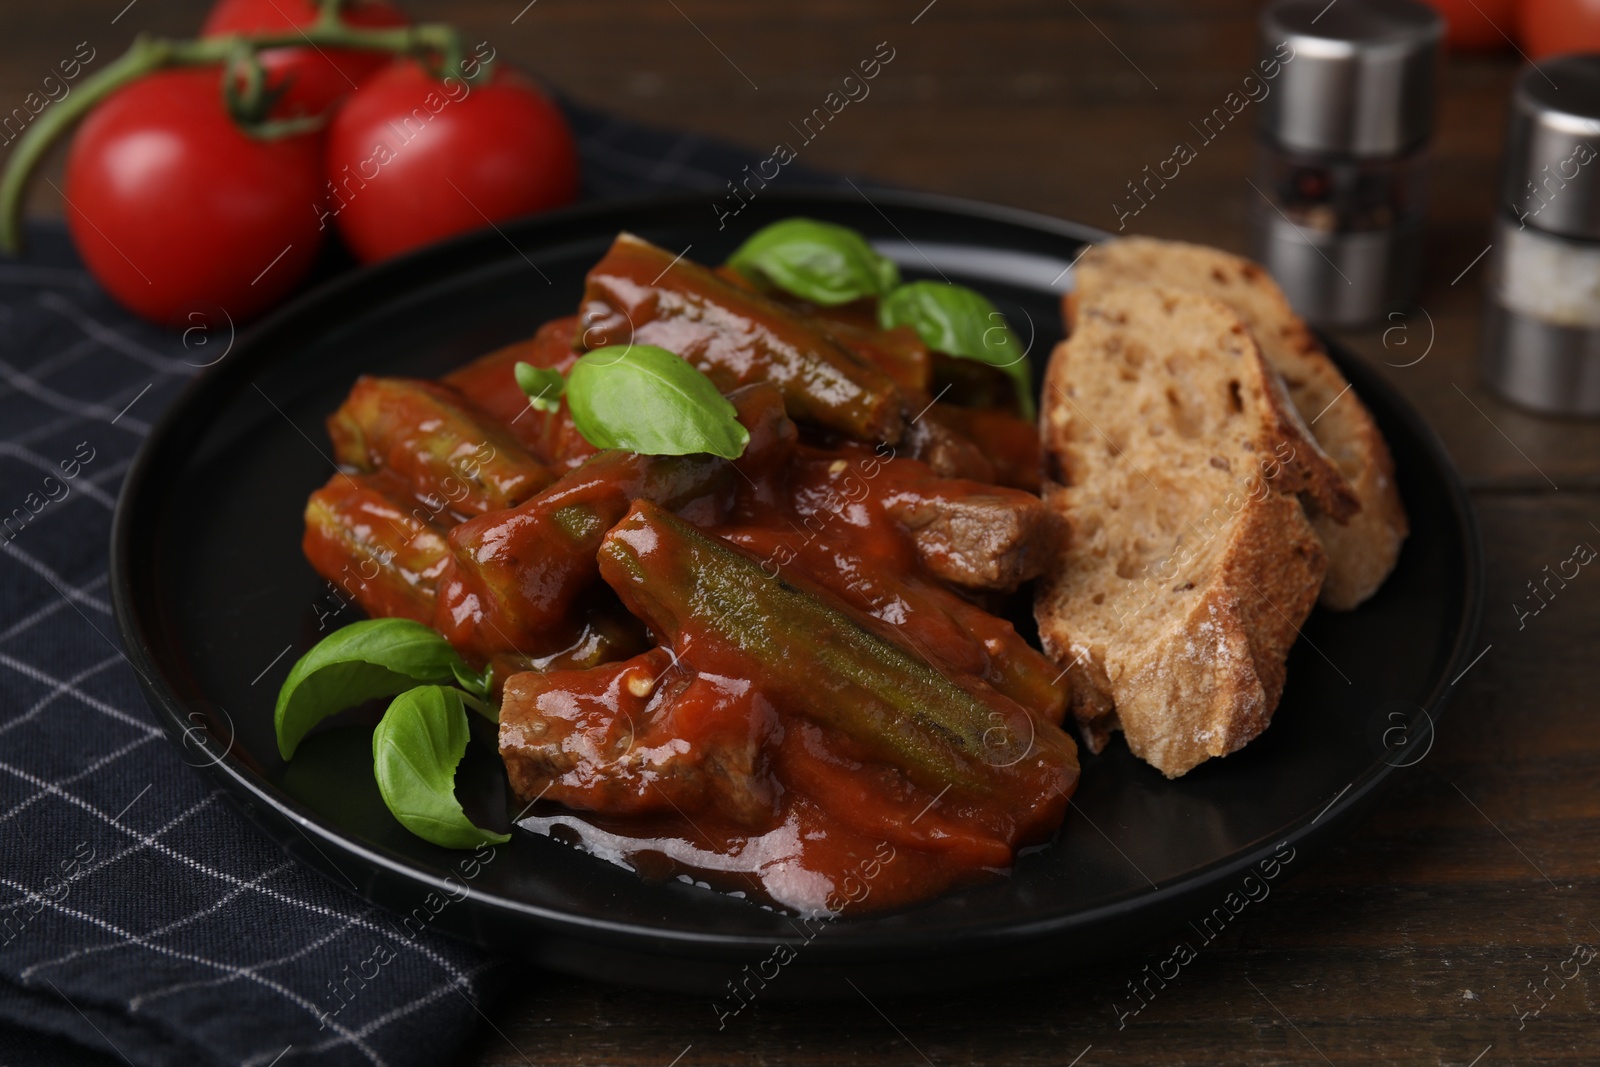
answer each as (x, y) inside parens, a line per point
(230, 879)
(56, 690)
(84, 872)
(83, 346)
(132, 939)
(110, 757)
(98, 331)
(98, 705)
(386, 1018)
(72, 405)
(49, 429)
(33, 459)
(27, 623)
(48, 574)
(305, 950)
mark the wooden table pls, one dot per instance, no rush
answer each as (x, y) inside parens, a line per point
(1417, 940)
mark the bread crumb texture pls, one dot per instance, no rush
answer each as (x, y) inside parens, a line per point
(1363, 543)
(1190, 562)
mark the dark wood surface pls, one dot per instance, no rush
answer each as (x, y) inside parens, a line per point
(1416, 941)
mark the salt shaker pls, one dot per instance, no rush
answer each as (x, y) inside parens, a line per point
(1541, 330)
(1341, 153)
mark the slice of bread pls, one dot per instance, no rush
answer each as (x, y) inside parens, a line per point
(1361, 550)
(1190, 563)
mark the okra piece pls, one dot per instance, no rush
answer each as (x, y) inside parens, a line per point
(449, 452)
(374, 546)
(645, 295)
(948, 629)
(490, 382)
(724, 614)
(897, 351)
(514, 575)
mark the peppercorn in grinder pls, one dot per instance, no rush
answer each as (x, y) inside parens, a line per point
(1339, 179)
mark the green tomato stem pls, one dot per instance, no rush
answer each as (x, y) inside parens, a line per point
(328, 12)
(149, 54)
(145, 56)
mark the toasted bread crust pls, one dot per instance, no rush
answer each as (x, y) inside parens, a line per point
(1362, 546)
(1209, 681)
(1190, 563)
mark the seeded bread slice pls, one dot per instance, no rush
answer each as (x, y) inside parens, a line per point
(1361, 550)
(1190, 563)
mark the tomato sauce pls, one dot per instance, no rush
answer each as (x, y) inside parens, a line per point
(778, 735)
(683, 763)
(707, 779)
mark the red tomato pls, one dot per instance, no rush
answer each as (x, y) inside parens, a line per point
(1478, 24)
(412, 160)
(171, 205)
(1551, 27)
(316, 79)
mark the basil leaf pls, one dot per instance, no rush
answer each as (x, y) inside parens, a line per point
(543, 386)
(474, 683)
(648, 400)
(356, 663)
(415, 751)
(960, 322)
(816, 261)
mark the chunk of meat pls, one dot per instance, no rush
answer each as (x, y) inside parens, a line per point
(945, 449)
(968, 533)
(643, 736)
(980, 540)
(973, 383)
(1010, 444)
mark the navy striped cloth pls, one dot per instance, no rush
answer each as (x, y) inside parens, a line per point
(144, 920)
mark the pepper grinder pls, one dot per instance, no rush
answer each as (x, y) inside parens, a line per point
(1541, 333)
(1341, 153)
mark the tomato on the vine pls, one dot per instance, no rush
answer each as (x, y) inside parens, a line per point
(312, 79)
(413, 159)
(189, 187)
(1551, 27)
(171, 205)
(1475, 25)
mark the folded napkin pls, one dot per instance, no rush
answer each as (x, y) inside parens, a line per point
(144, 920)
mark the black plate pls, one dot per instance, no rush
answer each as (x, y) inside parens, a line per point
(210, 589)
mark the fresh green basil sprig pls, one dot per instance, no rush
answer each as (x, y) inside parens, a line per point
(830, 265)
(422, 735)
(415, 752)
(640, 398)
(816, 261)
(960, 322)
(360, 662)
(543, 386)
